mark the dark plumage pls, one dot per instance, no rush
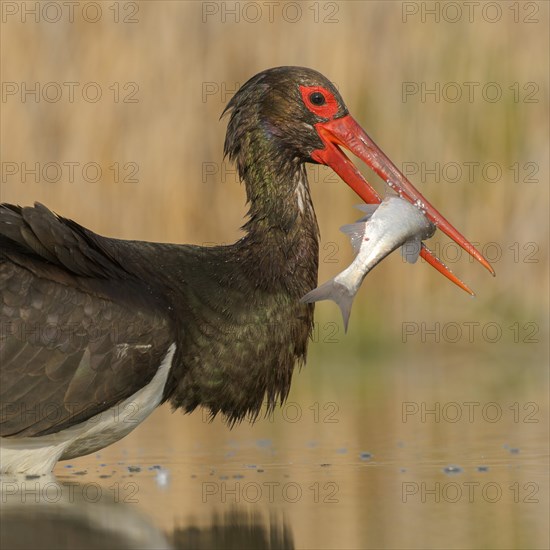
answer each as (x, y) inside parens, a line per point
(90, 324)
(234, 311)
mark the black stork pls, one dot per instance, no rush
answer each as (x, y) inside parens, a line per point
(97, 332)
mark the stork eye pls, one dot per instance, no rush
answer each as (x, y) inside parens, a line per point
(317, 98)
(320, 101)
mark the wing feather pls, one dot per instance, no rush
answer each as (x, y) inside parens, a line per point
(68, 352)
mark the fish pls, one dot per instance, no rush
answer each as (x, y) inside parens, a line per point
(393, 223)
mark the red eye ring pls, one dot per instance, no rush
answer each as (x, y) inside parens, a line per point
(327, 109)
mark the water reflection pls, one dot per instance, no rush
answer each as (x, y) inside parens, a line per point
(46, 513)
(453, 450)
(237, 530)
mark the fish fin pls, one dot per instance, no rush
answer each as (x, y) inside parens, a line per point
(331, 290)
(369, 209)
(356, 232)
(411, 250)
(390, 193)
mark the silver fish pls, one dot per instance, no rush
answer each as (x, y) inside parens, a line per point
(392, 223)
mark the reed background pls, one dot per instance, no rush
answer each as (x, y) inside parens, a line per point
(176, 54)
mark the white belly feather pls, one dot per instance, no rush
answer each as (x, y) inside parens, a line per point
(38, 455)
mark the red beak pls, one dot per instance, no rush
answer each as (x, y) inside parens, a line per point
(347, 133)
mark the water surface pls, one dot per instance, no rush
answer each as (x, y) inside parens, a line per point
(380, 453)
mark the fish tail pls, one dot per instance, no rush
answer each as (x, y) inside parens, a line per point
(331, 290)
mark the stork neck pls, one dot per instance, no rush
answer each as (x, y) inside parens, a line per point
(278, 193)
(282, 233)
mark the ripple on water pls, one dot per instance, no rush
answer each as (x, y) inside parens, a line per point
(452, 469)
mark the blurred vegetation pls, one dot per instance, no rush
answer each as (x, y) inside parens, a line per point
(186, 69)
(186, 65)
